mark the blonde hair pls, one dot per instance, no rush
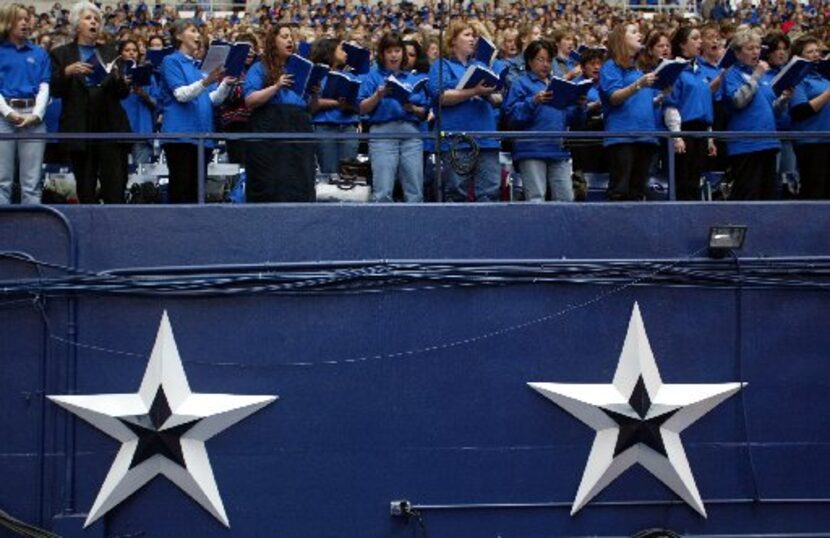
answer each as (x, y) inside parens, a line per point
(456, 27)
(617, 48)
(8, 18)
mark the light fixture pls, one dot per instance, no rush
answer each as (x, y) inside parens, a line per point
(725, 238)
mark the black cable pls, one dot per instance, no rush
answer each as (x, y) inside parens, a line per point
(418, 518)
(739, 360)
(463, 164)
(356, 277)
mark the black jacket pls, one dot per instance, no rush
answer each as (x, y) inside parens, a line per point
(88, 109)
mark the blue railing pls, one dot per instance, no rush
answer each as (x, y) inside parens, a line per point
(201, 139)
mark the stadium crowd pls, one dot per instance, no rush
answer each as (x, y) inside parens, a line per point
(70, 70)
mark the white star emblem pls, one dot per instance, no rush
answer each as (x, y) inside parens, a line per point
(162, 428)
(638, 419)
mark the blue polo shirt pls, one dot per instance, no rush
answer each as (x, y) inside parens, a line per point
(139, 112)
(257, 79)
(757, 115)
(195, 116)
(812, 86)
(335, 115)
(389, 109)
(637, 113)
(22, 70)
(524, 114)
(474, 114)
(691, 95)
(710, 72)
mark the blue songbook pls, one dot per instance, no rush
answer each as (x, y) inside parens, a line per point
(791, 74)
(100, 70)
(668, 71)
(235, 62)
(341, 85)
(318, 73)
(566, 93)
(300, 70)
(359, 59)
(402, 91)
(486, 51)
(728, 59)
(156, 56)
(823, 67)
(139, 75)
(475, 74)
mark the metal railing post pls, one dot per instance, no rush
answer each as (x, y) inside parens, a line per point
(202, 170)
(670, 165)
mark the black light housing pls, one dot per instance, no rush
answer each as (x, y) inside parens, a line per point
(724, 238)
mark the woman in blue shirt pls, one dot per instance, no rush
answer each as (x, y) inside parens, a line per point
(140, 106)
(278, 170)
(335, 116)
(24, 91)
(470, 110)
(752, 106)
(810, 111)
(188, 98)
(778, 54)
(628, 105)
(393, 158)
(543, 162)
(689, 108)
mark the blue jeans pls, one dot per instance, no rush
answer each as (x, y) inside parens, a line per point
(537, 174)
(331, 152)
(397, 159)
(486, 177)
(30, 155)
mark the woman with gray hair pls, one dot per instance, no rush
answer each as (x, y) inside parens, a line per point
(92, 105)
(753, 106)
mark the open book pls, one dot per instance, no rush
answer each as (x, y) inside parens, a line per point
(476, 74)
(229, 56)
(791, 74)
(100, 69)
(668, 71)
(485, 51)
(728, 59)
(566, 93)
(341, 85)
(823, 67)
(139, 75)
(402, 91)
(156, 55)
(359, 58)
(306, 74)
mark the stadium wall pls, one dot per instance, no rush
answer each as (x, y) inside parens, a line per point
(413, 391)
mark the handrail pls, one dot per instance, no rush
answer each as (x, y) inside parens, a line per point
(201, 139)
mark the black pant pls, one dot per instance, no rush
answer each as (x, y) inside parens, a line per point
(814, 170)
(280, 171)
(688, 166)
(628, 166)
(104, 161)
(182, 162)
(754, 175)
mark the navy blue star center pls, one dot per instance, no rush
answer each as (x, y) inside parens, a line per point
(153, 441)
(640, 430)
